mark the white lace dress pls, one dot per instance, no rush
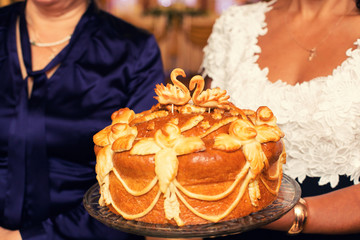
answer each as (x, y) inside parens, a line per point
(320, 118)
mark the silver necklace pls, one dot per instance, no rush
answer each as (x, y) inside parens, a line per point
(313, 51)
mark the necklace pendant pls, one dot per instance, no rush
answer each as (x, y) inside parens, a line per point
(312, 54)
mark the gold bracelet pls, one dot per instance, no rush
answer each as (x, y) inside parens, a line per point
(300, 211)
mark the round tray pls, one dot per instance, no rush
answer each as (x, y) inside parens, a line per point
(289, 195)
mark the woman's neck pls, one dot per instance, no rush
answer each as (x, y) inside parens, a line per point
(54, 17)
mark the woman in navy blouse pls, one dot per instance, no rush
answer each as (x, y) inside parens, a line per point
(65, 66)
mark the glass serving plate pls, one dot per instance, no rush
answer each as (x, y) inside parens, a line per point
(289, 195)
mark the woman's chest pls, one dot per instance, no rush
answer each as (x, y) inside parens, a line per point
(297, 52)
(294, 62)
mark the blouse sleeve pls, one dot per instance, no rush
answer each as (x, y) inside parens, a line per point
(233, 42)
(214, 60)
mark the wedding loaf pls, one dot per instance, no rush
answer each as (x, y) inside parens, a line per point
(191, 159)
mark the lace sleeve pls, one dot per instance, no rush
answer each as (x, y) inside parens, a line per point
(215, 54)
(233, 41)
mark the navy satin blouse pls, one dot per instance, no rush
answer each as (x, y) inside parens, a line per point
(47, 162)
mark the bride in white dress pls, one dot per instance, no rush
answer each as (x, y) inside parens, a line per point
(301, 58)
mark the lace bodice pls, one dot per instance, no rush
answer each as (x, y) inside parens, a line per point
(320, 118)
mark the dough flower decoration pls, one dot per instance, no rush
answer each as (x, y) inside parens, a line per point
(245, 135)
(211, 98)
(117, 137)
(167, 144)
(120, 119)
(176, 94)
